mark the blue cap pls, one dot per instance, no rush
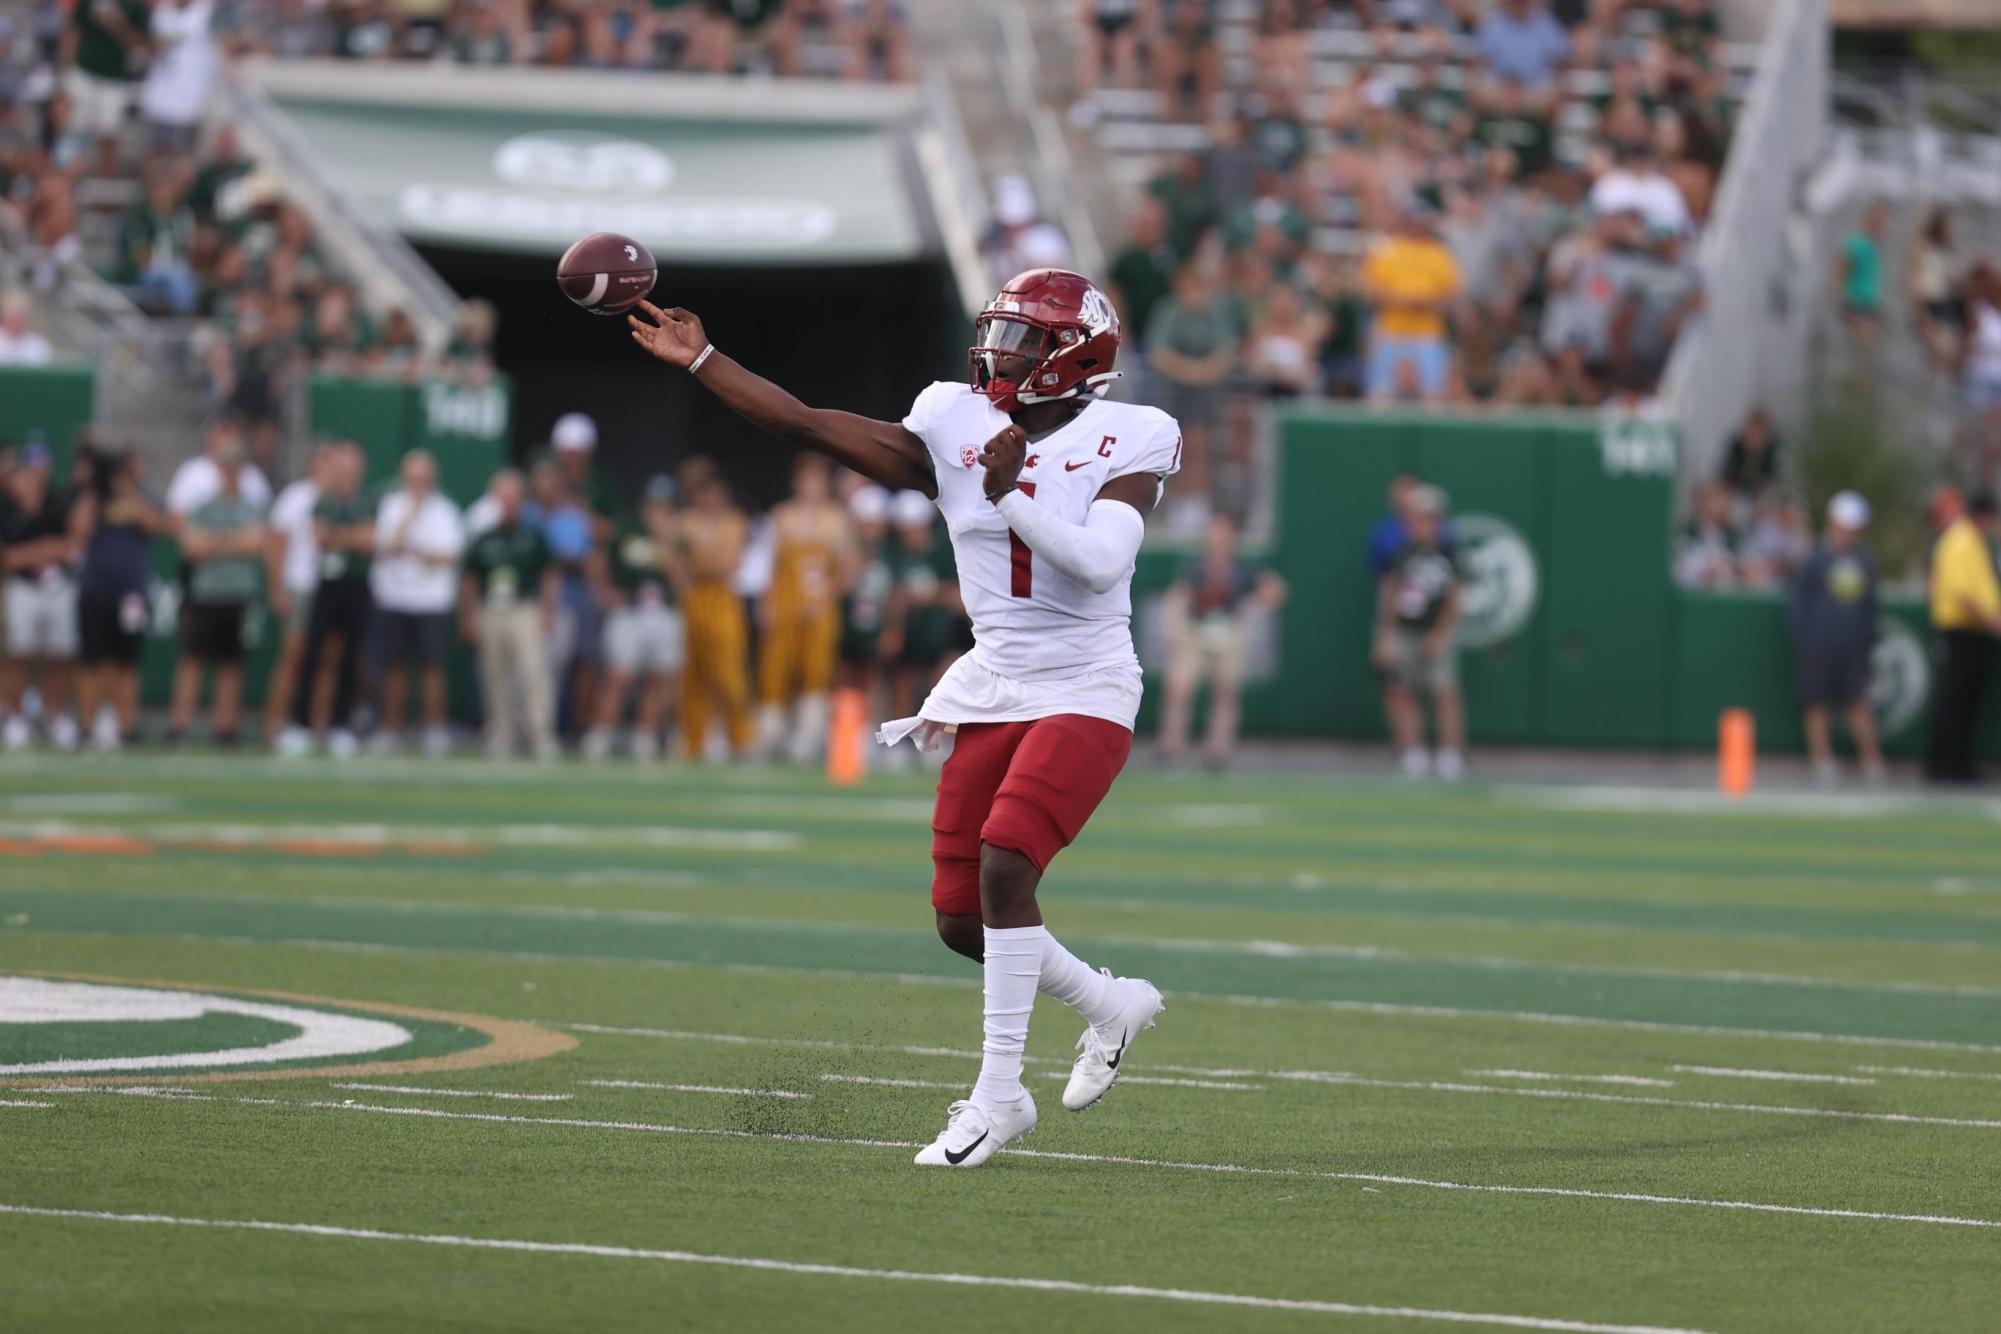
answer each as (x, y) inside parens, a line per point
(35, 454)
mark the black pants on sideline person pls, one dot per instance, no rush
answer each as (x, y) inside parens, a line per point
(342, 609)
(1953, 754)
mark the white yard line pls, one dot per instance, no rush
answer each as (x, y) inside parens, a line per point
(1550, 1076)
(1226, 1169)
(1226, 1084)
(1775, 1076)
(1762, 1108)
(1182, 1295)
(825, 1044)
(369, 835)
(1914, 1072)
(885, 1082)
(692, 1088)
(457, 1093)
(23, 1102)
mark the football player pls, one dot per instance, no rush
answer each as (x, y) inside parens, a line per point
(1045, 486)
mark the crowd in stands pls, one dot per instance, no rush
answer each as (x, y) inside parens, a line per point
(1438, 228)
(597, 621)
(855, 39)
(101, 111)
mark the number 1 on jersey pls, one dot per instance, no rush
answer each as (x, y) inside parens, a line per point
(1021, 581)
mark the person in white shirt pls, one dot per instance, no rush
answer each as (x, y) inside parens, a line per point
(292, 574)
(1045, 486)
(20, 345)
(1638, 185)
(199, 480)
(183, 65)
(418, 537)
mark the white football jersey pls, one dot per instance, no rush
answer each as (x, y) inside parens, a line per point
(1031, 623)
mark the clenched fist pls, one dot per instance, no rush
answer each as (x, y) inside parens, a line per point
(1003, 457)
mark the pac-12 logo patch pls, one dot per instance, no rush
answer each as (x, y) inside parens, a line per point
(969, 456)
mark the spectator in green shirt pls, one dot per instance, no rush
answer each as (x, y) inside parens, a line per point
(1142, 278)
(1858, 277)
(223, 542)
(108, 43)
(642, 631)
(507, 606)
(1192, 347)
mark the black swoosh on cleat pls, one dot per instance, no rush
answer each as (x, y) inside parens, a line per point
(1124, 1038)
(956, 1158)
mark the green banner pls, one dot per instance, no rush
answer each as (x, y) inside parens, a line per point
(57, 401)
(694, 191)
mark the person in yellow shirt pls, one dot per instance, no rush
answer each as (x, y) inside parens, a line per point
(799, 618)
(1966, 613)
(712, 536)
(1410, 280)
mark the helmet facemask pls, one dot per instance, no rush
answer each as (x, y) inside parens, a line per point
(1007, 354)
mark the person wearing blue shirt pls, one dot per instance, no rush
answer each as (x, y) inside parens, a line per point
(1519, 40)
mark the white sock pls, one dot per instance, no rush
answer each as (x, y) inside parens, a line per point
(1013, 967)
(1078, 985)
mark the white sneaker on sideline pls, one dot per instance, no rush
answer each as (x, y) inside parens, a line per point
(1103, 1048)
(437, 743)
(342, 745)
(104, 732)
(645, 747)
(1416, 762)
(16, 734)
(974, 1134)
(597, 744)
(294, 743)
(1451, 765)
(63, 733)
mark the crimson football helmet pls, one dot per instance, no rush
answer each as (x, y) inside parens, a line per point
(1049, 334)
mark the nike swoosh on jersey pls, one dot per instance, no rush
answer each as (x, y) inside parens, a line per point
(1072, 467)
(956, 1158)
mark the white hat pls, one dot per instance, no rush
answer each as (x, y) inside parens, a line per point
(574, 432)
(1014, 201)
(912, 507)
(869, 504)
(1848, 510)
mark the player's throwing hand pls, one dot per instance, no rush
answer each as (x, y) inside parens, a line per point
(1003, 458)
(675, 336)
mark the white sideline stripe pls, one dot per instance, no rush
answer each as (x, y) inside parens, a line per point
(457, 1093)
(23, 1102)
(1777, 1076)
(1186, 1295)
(368, 835)
(1639, 1081)
(1768, 1109)
(1227, 1169)
(691, 1088)
(1916, 1073)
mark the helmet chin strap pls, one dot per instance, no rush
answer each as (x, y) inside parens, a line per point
(1097, 384)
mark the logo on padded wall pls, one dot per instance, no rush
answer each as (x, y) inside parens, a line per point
(1500, 579)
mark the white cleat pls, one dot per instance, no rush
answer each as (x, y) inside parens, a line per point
(1102, 1050)
(975, 1134)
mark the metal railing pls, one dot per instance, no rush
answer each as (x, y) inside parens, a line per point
(1749, 346)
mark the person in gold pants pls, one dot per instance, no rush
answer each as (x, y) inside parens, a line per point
(800, 616)
(711, 535)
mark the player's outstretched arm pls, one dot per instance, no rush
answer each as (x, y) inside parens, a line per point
(880, 451)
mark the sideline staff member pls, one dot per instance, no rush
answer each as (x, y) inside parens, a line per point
(1966, 611)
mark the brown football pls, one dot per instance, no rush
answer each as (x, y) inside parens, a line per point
(606, 274)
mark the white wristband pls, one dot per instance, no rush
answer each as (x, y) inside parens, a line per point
(707, 352)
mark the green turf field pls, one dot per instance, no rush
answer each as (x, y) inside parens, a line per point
(595, 1049)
